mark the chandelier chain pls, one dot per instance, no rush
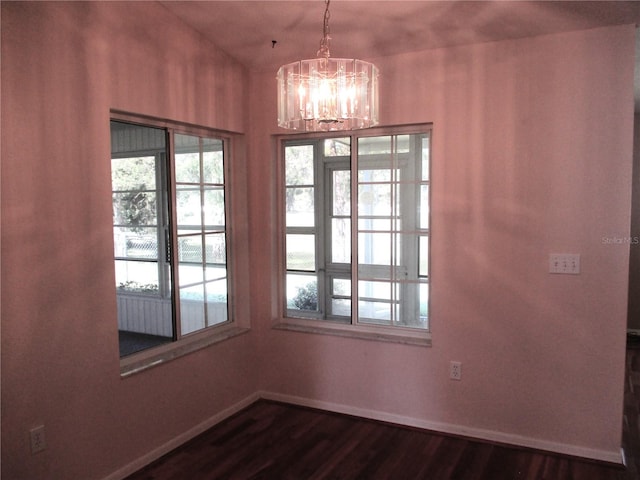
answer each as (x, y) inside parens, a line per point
(324, 43)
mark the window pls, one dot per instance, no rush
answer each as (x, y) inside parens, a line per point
(170, 213)
(380, 178)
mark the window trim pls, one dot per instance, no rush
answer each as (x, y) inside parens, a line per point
(152, 357)
(357, 330)
(235, 325)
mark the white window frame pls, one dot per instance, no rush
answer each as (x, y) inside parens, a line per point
(311, 323)
(190, 342)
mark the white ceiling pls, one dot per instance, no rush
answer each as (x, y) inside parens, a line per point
(367, 29)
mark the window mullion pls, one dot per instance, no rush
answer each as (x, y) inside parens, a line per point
(162, 225)
(322, 249)
(326, 238)
(354, 230)
(173, 235)
(395, 231)
(226, 182)
(203, 241)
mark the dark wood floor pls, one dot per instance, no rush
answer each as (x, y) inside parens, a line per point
(270, 440)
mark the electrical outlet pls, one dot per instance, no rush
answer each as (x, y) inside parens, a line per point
(455, 370)
(38, 442)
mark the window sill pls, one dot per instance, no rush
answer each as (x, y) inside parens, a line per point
(153, 357)
(379, 334)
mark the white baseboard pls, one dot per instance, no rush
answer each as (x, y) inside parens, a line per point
(175, 442)
(614, 457)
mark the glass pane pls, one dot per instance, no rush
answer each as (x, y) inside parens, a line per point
(134, 208)
(301, 252)
(374, 145)
(374, 248)
(382, 145)
(424, 257)
(217, 291)
(340, 301)
(340, 240)
(377, 302)
(341, 286)
(215, 245)
(188, 168)
(134, 195)
(302, 292)
(374, 290)
(378, 224)
(424, 206)
(341, 307)
(403, 143)
(137, 277)
(341, 192)
(135, 242)
(217, 313)
(424, 304)
(194, 293)
(425, 158)
(190, 250)
(377, 175)
(214, 214)
(187, 158)
(133, 174)
(215, 273)
(192, 316)
(189, 275)
(374, 312)
(217, 302)
(299, 165)
(212, 161)
(188, 206)
(374, 199)
(337, 147)
(300, 207)
(197, 314)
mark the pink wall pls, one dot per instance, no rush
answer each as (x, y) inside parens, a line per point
(63, 67)
(633, 320)
(532, 155)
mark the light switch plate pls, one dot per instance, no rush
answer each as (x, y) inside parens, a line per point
(564, 263)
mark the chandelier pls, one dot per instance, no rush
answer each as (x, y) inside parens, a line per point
(324, 93)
